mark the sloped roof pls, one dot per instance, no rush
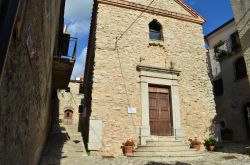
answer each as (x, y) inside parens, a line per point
(220, 27)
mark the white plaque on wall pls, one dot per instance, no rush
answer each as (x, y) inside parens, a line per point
(131, 110)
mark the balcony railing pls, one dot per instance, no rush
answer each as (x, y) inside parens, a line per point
(226, 48)
(67, 47)
(64, 60)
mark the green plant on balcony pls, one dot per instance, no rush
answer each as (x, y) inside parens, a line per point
(219, 51)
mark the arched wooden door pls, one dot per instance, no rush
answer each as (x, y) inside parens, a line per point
(68, 117)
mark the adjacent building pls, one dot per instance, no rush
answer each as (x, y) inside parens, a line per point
(146, 74)
(230, 82)
(241, 9)
(32, 40)
(70, 103)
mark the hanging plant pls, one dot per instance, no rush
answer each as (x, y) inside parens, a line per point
(219, 52)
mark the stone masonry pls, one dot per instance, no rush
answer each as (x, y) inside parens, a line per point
(70, 101)
(25, 91)
(115, 79)
(241, 9)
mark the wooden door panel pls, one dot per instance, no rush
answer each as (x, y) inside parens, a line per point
(154, 115)
(152, 102)
(153, 127)
(160, 111)
(164, 115)
(165, 129)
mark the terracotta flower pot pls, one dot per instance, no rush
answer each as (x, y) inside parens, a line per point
(128, 150)
(211, 148)
(197, 147)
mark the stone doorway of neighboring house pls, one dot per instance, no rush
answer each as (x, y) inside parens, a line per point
(247, 118)
(160, 115)
(68, 117)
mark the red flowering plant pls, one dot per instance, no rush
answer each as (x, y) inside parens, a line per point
(194, 142)
(129, 142)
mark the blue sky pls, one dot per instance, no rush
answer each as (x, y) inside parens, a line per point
(78, 14)
(216, 12)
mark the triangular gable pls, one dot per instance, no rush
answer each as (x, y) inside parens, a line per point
(169, 8)
(169, 5)
(189, 9)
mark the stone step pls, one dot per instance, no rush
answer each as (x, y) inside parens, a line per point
(166, 153)
(74, 151)
(75, 135)
(163, 138)
(72, 127)
(164, 143)
(164, 148)
(182, 158)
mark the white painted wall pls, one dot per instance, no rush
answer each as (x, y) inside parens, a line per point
(236, 94)
(220, 35)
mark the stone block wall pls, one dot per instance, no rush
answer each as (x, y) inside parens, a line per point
(70, 100)
(116, 81)
(25, 91)
(171, 5)
(241, 9)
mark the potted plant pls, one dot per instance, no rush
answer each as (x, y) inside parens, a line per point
(210, 144)
(128, 147)
(220, 50)
(196, 144)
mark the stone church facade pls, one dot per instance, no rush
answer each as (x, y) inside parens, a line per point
(146, 74)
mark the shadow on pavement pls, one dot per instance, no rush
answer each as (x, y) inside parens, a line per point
(234, 147)
(53, 151)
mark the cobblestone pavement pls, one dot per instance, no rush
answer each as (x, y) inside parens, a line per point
(216, 158)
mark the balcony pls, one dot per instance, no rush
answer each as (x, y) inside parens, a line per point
(227, 47)
(63, 61)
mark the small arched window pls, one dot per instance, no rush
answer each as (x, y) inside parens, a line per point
(240, 68)
(155, 30)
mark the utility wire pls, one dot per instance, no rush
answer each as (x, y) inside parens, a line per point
(118, 38)
(117, 49)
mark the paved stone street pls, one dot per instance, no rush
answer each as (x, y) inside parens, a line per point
(216, 158)
(65, 147)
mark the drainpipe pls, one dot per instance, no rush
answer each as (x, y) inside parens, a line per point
(8, 14)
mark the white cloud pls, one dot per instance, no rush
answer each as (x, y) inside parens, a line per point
(78, 28)
(78, 13)
(79, 64)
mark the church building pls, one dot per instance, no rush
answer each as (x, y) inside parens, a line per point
(146, 74)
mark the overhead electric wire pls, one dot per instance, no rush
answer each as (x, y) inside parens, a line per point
(117, 49)
(119, 59)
